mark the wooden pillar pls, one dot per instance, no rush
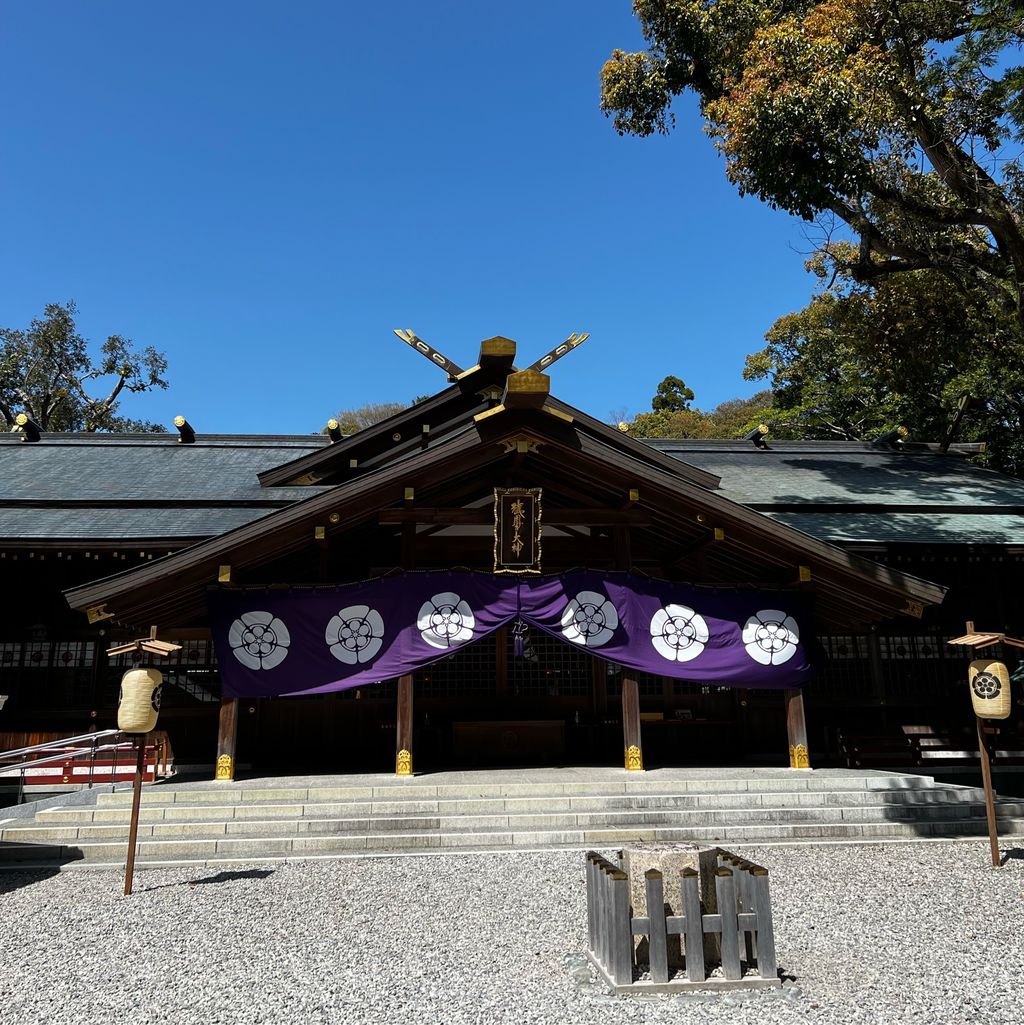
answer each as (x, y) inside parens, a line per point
(501, 664)
(403, 727)
(877, 677)
(796, 727)
(227, 738)
(634, 756)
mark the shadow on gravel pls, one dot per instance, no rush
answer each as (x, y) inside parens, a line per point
(220, 877)
(15, 877)
(1013, 854)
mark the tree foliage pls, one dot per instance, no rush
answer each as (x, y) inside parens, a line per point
(352, 420)
(895, 121)
(47, 372)
(730, 419)
(672, 396)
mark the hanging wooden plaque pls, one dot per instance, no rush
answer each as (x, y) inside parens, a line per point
(517, 530)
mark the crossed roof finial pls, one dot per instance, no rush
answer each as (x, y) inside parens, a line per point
(488, 352)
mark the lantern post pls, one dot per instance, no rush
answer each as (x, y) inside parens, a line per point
(138, 708)
(991, 698)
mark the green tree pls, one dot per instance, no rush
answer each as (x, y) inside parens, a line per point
(859, 360)
(730, 419)
(47, 372)
(672, 396)
(891, 117)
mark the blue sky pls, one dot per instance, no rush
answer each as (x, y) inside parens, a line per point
(264, 190)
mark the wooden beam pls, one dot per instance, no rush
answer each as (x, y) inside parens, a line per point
(555, 517)
(497, 355)
(227, 738)
(527, 389)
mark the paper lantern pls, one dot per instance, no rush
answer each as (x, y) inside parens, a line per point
(990, 689)
(139, 702)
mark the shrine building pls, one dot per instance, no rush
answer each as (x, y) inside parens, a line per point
(492, 577)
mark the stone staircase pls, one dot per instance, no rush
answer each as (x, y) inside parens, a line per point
(331, 816)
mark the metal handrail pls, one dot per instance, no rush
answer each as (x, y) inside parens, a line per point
(71, 752)
(63, 752)
(95, 735)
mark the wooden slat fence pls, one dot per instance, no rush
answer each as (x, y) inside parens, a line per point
(742, 923)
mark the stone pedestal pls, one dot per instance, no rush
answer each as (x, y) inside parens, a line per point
(670, 859)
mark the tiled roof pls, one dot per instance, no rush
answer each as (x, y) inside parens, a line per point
(145, 486)
(829, 473)
(894, 527)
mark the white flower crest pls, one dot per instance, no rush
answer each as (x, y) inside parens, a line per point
(770, 637)
(259, 640)
(355, 635)
(445, 621)
(678, 633)
(589, 619)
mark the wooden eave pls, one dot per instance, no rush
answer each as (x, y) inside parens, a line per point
(447, 411)
(442, 412)
(172, 590)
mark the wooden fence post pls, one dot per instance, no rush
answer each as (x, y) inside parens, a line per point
(725, 890)
(693, 925)
(622, 930)
(657, 933)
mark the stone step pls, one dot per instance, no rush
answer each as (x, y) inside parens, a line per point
(184, 812)
(561, 821)
(250, 848)
(275, 819)
(170, 793)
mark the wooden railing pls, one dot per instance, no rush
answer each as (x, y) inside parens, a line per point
(740, 925)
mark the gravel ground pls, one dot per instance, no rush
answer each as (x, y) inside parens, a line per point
(922, 933)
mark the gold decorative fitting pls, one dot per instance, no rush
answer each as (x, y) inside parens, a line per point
(719, 533)
(798, 757)
(557, 413)
(225, 767)
(520, 443)
(403, 763)
(319, 533)
(97, 613)
(634, 759)
(334, 517)
(493, 411)
(913, 608)
(409, 494)
(224, 574)
(805, 574)
(623, 426)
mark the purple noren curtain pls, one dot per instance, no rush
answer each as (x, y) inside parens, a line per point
(272, 642)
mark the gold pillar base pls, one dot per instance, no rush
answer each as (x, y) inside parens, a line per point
(634, 759)
(403, 763)
(225, 768)
(798, 757)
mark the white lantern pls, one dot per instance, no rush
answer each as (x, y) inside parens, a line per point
(139, 703)
(990, 689)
